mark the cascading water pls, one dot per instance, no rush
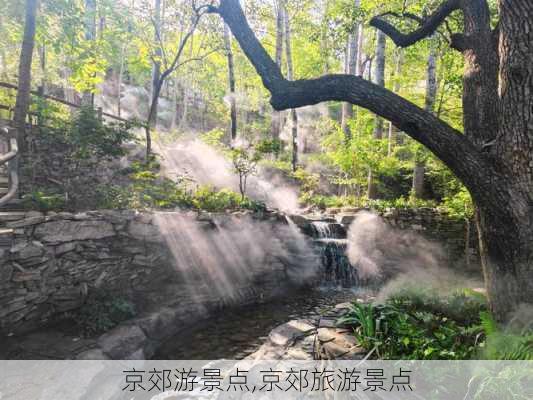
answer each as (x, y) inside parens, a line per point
(226, 256)
(337, 270)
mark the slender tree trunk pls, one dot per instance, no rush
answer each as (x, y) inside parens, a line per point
(155, 87)
(184, 122)
(360, 47)
(231, 81)
(379, 79)
(185, 108)
(3, 55)
(352, 60)
(87, 97)
(119, 80)
(393, 131)
(431, 96)
(42, 59)
(42, 87)
(122, 64)
(290, 76)
(24, 83)
(175, 92)
(277, 115)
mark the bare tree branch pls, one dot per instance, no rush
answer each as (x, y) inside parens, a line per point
(427, 28)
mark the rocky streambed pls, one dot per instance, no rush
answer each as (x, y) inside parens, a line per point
(285, 328)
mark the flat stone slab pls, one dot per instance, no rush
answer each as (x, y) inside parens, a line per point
(327, 323)
(287, 333)
(68, 231)
(122, 342)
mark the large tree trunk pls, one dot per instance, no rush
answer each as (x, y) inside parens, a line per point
(352, 59)
(493, 156)
(24, 83)
(379, 77)
(231, 83)
(506, 233)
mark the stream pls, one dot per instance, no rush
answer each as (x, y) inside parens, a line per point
(236, 333)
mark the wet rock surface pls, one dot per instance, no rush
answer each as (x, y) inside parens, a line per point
(317, 338)
(280, 329)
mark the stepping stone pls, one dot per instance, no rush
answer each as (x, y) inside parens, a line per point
(327, 323)
(287, 333)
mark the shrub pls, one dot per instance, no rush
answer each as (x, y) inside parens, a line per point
(148, 190)
(44, 200)
(208, 199)
(419, 327)
(101, 312)
(502, 344)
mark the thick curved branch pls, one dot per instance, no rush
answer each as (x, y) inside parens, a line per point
(448, 144)
(427, 27)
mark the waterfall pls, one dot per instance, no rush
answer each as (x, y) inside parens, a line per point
(226, 256)
(332, 242)
(323, 229)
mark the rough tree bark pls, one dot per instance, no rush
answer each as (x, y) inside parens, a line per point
(290, 77)
(493, 156)
(419, 170)
(231, 83)
(352, 56)
(379, 77)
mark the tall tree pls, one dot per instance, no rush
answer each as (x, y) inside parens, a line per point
(379, 79)
(168, 67)
(90, 35)
(290, 77)
(396, 77)
(123, 49)
(24, 72)
(431, 96)
(276, 115)
(493, 156)
(156, 72)
(352, 61)
(231, 83)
